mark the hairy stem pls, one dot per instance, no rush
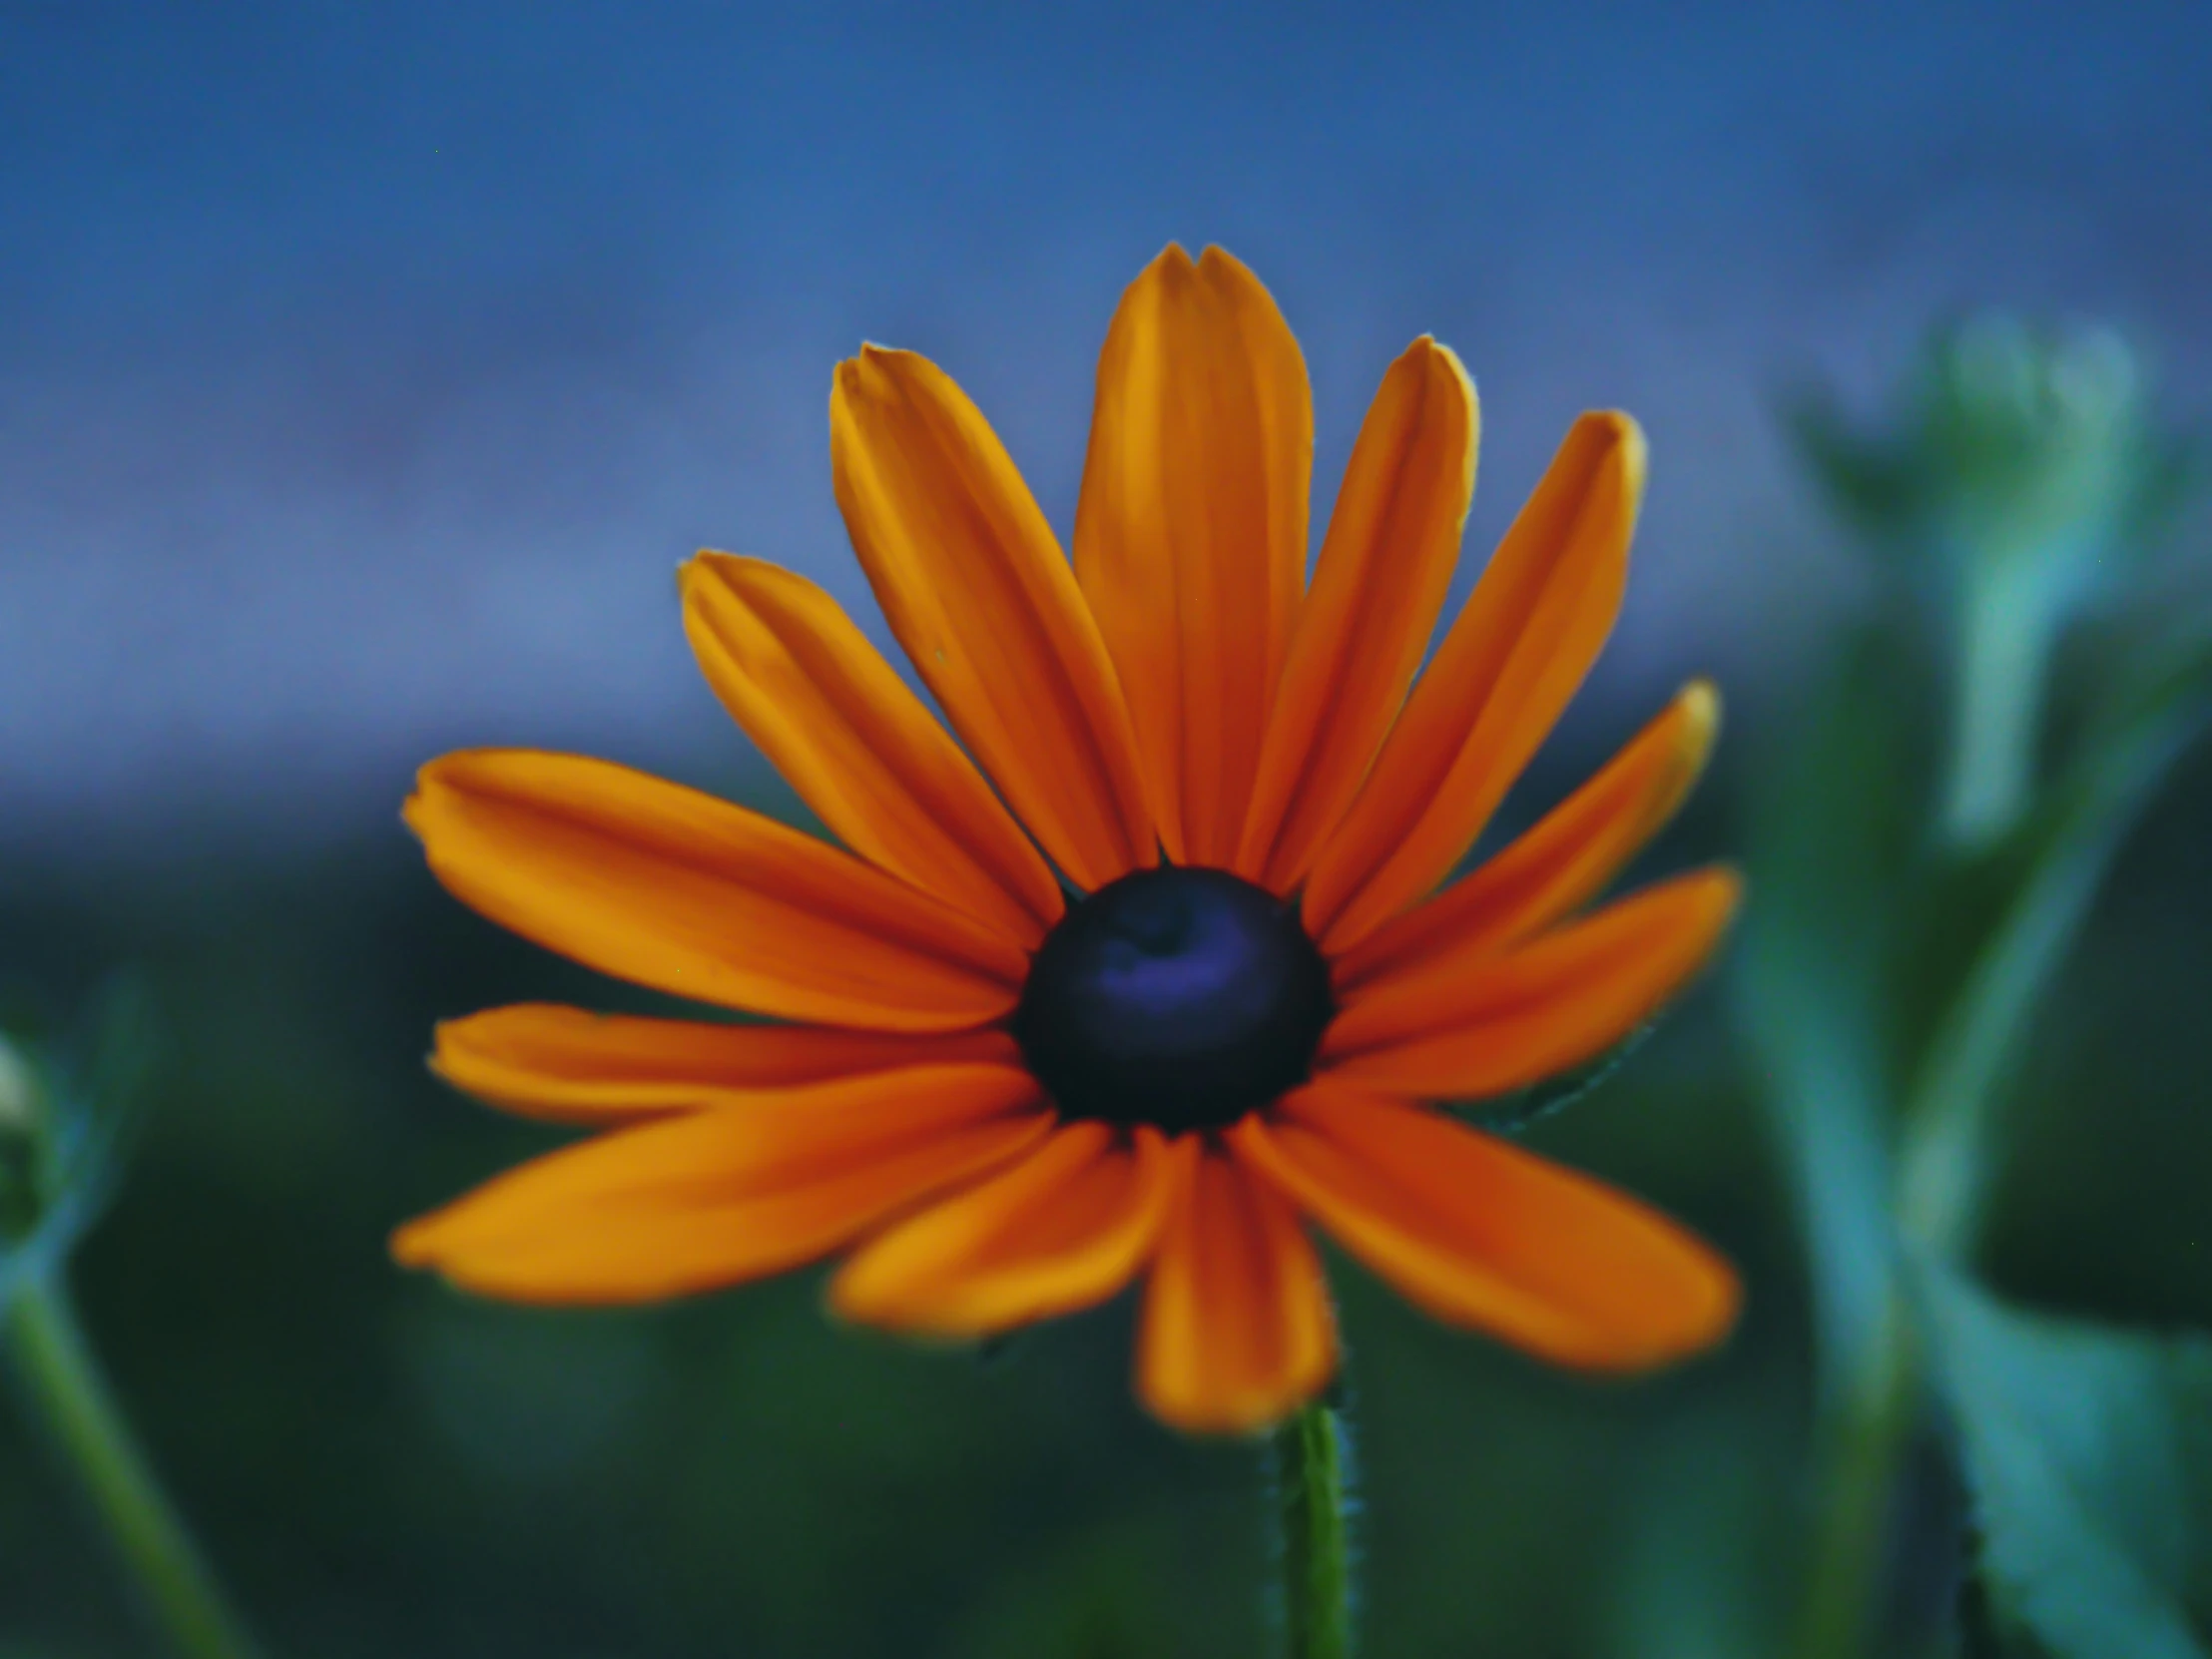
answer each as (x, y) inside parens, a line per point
(1311, 1490)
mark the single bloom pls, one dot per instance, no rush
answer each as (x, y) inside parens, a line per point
(1150, 963)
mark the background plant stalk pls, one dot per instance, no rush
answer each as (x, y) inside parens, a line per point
(1945, 1163)
(68, 1396)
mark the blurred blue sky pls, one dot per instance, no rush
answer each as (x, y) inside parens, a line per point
(365, 369)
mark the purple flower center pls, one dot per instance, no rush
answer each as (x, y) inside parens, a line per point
(1175, 996)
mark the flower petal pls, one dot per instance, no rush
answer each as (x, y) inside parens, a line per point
(1237, 1329)
(1479, 1232)
(979, 593)
(1063, 1229)
(1571, 855)
(686, 893)
(841, 726)
(1463, 1024)
(1190, 540)
(1361, 635)
(712, 1198)
(569, 1066)
(1529, 633)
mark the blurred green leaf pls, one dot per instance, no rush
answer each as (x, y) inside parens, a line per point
(107, 1061)
(2174, 476)
(2088, 1453)
(2123, 758)
(1832, 854)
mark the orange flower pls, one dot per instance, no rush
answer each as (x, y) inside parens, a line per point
(1201, 1001)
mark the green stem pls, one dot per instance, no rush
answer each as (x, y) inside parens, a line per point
(1865, 1440)
(66, 1391)
(2006, 625)
(1943, 1168)
(1945, 1163)
(1310, 1481)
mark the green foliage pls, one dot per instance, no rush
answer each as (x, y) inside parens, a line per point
(1910, 920)
(2088, 1456)
(2059, 863)
(2013, 443)
(2022, 479)
(1832, 854)
(76, 1108)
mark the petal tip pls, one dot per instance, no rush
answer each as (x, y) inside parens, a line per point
(1622, 435)
(1701, 700)
(1217, 262)
(1716, 897)
(855, 1299)
(1726, 1309)
(879, 357)
(850, 1299)
(734, 574)
(858, 375)
(1727, 887)
(430, 781)
(1706, 1323)
(1438, 357)
(1698, 703)
(413, 1244)
(706, 563)
(436, 782)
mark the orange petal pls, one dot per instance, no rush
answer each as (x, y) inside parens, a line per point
(1529, 633)
(1464, 1024)
(1483, 1234)
(1236, 1330)
(1190, 540)
(1567, 859)
(1063, 1229)
(571, 1066)
(841, 726)
(979, 593)
(678, 890)
(711, 1198)
(1378, 586)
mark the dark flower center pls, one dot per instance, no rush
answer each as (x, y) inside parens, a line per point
(1173, 996)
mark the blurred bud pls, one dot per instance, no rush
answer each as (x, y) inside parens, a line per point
(2040, 451)
(19, 1094)
(22, 1114)
(2020, 481)
(2011, 443)
(70, 1109)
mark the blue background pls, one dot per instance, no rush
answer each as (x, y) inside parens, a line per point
(366, 369)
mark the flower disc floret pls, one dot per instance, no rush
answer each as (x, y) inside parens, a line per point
(1178, 997)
